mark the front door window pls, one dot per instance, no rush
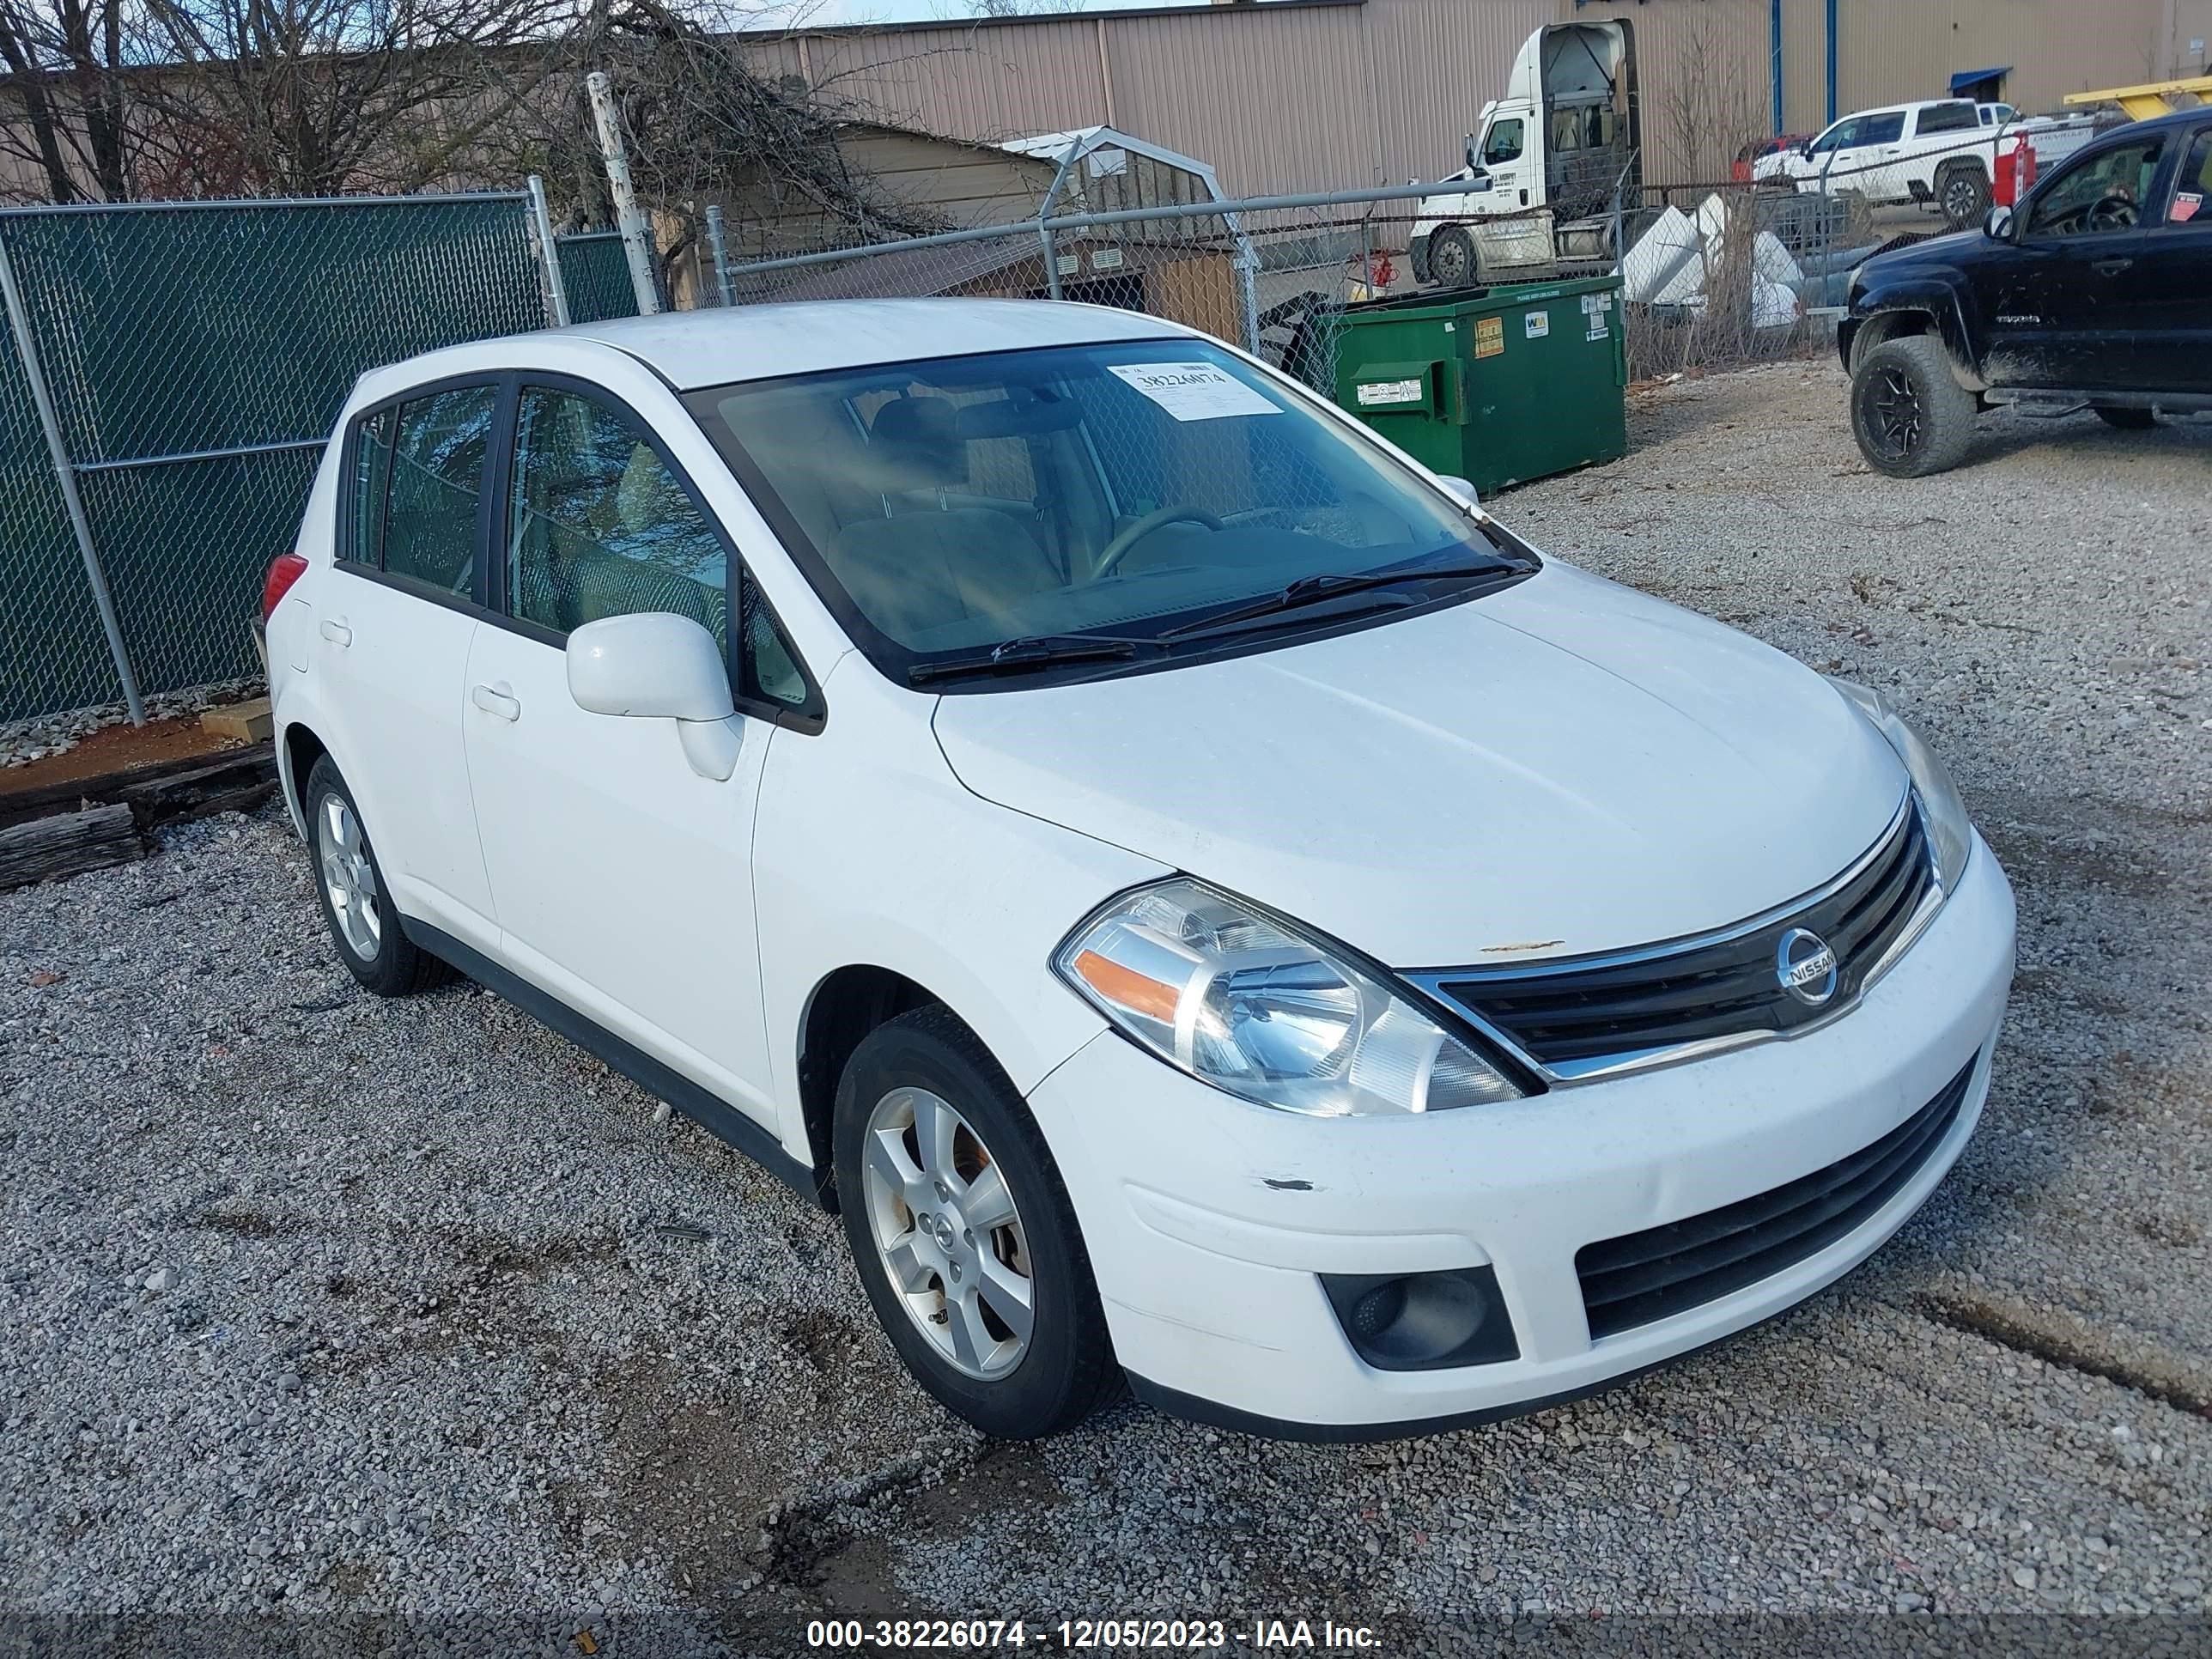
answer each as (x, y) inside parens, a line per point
(2103, 195)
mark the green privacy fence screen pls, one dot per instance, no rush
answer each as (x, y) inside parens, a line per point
(196, 356)
(595, 270)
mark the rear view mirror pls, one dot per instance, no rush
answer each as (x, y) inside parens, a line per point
(658, 665)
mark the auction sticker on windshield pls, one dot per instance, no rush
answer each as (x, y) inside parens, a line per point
(1193, 392)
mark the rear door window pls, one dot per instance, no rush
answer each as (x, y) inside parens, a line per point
(439, 447)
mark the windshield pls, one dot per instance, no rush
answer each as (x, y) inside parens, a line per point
(953, 506)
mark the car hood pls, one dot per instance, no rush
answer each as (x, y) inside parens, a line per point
(1564, 767)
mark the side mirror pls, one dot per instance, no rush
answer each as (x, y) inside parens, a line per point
(658, 665)
(1998, 225)
(1805, 149)
(1473, 159)
(1463, 492)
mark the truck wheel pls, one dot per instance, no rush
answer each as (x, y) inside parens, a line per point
(1451, 258)
(1962, 190)
(2127, 420)
(1908, 413)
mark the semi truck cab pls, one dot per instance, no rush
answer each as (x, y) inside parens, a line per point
(1543, 166)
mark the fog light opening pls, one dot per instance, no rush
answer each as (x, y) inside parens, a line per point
(1423, 1321)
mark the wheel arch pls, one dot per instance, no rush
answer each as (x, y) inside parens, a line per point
(1887, 318)
(297, 752)
(844, 1006)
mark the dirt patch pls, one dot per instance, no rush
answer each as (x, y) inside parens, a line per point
(119, 749)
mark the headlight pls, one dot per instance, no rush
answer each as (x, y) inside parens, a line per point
(1256, 1006)
(1949, 830)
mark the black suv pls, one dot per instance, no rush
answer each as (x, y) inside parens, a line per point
(2096, 292)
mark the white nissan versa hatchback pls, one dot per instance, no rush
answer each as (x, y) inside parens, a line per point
(1202, 899)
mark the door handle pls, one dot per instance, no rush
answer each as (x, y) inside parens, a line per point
(2110, 267)
(497, 700)
(338, 633)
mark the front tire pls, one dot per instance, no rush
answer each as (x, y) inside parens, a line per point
(1908, 413)
(356, 901)
(1452, 259)
(2127, 420)
(963, 1233)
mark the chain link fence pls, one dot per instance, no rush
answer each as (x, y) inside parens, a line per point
(192, 357)
(1713, 274)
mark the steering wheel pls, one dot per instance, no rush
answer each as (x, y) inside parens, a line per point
(1117, 549)
(2113, 212)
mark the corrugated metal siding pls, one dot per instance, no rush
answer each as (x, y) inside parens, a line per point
(972, 81)
(1295, 98)
(2192, 21)
(1274, 107)
(1805, 66)
(1891, 52)
(1437, 63)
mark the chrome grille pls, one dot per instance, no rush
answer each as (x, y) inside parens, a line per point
(1576, 1018)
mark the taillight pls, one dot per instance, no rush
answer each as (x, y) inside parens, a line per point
(285, 569)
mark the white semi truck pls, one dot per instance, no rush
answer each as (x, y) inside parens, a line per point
(1545, 168)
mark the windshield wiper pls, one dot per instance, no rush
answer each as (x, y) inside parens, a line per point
(1313, 590)
(1020, 656)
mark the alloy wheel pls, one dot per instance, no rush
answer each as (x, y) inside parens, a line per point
(948, 1232)
(349, 877)
(1960, 199)
(1898, 419)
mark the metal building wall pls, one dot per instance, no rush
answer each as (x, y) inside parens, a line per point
(1303, 94)
(1890, 52)
(1437, 63)
(1273, 107)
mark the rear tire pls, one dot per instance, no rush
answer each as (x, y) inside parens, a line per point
(1452, 259)
(2127, 420)
(357, 908)
(1962, 191)
(1908, 413)
(965, 1240)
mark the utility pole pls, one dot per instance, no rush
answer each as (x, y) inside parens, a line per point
(637, 236)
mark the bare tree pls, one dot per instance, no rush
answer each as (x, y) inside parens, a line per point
(65, 61)
(702, 121)
(309, 97)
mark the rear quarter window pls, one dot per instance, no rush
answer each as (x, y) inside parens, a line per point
(1948, 118)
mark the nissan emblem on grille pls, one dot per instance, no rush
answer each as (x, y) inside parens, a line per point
(1806, 966)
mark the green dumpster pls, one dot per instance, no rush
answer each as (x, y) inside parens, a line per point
(1496, 385)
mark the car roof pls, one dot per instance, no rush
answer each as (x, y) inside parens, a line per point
(693, 349)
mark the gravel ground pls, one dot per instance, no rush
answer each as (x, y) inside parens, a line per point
(328, 1306)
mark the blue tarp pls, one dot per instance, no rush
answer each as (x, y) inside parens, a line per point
(1967, 78)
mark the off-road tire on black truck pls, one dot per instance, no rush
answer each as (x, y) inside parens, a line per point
(1452, 261)
(1962, 191)
(1908, 413)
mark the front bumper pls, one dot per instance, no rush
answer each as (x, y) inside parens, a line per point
(1207, 1220)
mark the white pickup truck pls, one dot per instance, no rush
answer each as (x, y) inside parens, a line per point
(1943, 153)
